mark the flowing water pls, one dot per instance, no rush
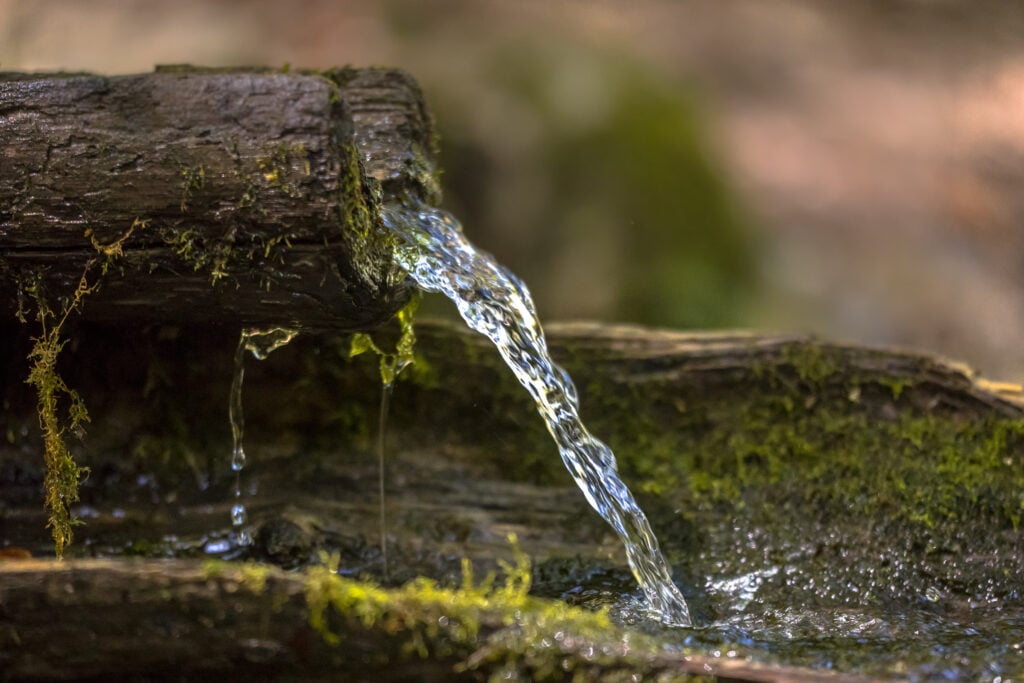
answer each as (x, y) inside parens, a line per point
(260, 343)
(495, 303)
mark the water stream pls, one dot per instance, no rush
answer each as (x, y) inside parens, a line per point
(260, 343)
(495, 303)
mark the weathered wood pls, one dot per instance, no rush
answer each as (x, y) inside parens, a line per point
(732, 442)
(156, 620)
(255, 189)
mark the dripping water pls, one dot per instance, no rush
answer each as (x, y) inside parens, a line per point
(495, 303)
(391, 366)
(385, 401)
(260, 343)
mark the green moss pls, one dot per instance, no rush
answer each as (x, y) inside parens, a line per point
(59, 407)
(896, 385)
(214, 569)
(493, 626)
(356, 205)
(63, 475)
(810, 362)
(278, 165)
(193, 179)
(279, 170)
(794, 438)
(254, 577)
(250, 575)
(392, 363)
(340, 76)
(200, 252)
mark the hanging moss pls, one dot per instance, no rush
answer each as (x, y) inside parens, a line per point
(63, 475)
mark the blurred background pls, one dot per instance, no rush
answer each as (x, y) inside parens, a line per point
(855, 170)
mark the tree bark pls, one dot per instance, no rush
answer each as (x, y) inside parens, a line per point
(251, 192)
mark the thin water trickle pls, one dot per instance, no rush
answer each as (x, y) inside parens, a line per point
(495, 303)
(385, 401)
(260, 343)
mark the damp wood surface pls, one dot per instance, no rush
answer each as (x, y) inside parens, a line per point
(168, 620)
(253, 192)
(865, 478)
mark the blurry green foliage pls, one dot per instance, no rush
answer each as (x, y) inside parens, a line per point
(589, 174)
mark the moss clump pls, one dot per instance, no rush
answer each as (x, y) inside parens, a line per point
(798, 432)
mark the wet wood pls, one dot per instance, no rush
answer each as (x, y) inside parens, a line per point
(175, 620)
(251, 191)
(468, 462)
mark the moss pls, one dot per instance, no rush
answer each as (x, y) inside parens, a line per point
(394, 362)
(193, 179)
(794, 437)
(896, 385)
(810, 362)
(63, 475)
(276, 166)
(59, 407)
(200, 252)
(492, 626)
(356, 202)
(340, 76)
(254, 577)
(280, 170)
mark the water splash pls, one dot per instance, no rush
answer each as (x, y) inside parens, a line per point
(260, 343)
(495, 303)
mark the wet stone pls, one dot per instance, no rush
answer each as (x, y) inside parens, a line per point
(284, 542)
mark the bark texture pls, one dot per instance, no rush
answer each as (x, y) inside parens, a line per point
(252, 192)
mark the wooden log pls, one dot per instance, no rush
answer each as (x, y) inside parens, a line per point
(252, 192)
(158, 620)
(877, 475)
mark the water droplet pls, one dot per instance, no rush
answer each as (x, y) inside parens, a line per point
(238, 458)
(217, 547)
(238, 515)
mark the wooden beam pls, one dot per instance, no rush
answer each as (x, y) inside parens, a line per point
(255, 194)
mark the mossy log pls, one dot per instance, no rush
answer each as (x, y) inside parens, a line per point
(255, 194)
(852, 480)
(188, 620)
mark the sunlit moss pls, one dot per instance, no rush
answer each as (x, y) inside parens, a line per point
(392, 363)
(493, 625)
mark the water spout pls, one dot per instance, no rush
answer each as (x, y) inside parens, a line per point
(495, 303)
